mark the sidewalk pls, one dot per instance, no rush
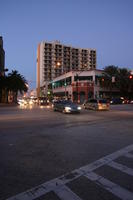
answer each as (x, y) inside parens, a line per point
(8, 104)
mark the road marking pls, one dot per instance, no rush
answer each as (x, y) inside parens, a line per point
(110, 186)
(64, 193)
(106, 159)
(121, 167)
(55, 184)
(129, 155)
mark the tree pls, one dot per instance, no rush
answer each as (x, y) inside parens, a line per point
(16, 83)
(106, 79)
(122, 81)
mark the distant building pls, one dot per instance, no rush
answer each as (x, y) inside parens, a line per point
(55, 59)
(33, 93)
(2, 56)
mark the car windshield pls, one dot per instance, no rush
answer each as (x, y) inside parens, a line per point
(92, 101)
(102, 101)
(67, 102)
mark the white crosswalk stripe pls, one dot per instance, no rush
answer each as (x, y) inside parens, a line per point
(129, 155)
(122, 168)
(58, 185)
(115, 189)
(64, 193)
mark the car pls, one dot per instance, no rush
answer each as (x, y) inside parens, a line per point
(66, 106)
(97, 104)
(131, 101)
(43, 101)
(126, 101)
(117, 101)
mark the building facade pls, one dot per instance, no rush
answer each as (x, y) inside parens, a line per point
(2, 56)
(55, 59)
(79, 85)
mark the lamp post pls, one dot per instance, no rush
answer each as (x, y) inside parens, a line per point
(65, 85)
(77, 85)
(77, 76)
(58, 64)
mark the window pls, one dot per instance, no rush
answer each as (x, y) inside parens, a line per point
(83, 78)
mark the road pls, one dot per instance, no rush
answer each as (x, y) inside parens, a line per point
(39, 146)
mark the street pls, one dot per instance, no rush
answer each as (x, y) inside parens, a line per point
(51, 155)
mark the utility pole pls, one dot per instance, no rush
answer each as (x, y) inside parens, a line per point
(77, 85)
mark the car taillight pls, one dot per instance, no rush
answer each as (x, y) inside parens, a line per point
(99, 104)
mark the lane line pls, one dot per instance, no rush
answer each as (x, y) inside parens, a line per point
(115, 189)
(122, 168)
(64, 193)
(51, 185)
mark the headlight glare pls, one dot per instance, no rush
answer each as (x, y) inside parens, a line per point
(67, 108)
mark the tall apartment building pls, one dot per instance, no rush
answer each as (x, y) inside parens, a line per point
(55, 59)
(2, 56)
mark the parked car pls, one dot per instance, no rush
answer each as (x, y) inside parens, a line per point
(97, 104)
(116, 101)
(66, 106)
(126, 101)
(131, 101)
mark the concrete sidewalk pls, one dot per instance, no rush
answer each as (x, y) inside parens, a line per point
(8, 104)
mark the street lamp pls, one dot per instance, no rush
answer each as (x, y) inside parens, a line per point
(65, 84)
(77, 85)
(77, 77)
(58, 64)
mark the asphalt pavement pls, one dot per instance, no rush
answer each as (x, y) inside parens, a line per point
(93, 149)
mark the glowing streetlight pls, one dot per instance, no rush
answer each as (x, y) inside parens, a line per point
(26, 84)
(131, 76)
(58, 64)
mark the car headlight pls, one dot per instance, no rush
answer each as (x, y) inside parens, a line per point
(79, 108)
(30, 102)
(67, 108)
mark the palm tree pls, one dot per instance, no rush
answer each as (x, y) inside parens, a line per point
(16, 83)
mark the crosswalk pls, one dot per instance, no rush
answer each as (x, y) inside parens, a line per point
(60, 185)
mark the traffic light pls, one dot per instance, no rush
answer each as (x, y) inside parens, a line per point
(102, 79)
(131, 76)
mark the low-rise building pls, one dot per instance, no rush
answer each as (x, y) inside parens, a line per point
(79, 85)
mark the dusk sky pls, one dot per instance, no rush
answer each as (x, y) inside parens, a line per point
(106, 25)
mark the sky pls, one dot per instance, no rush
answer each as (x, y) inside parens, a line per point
(106, 25)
